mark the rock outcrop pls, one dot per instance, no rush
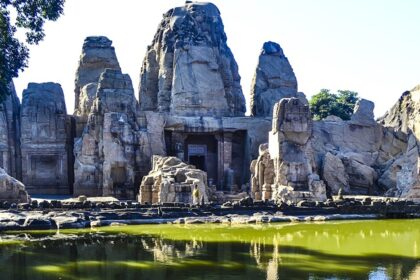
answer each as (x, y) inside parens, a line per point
(188, 69)
(44, 139)
(292, 177)
(405, 114)
(312, 159)
(113, 150)
(12, 190)
(404, 117)
(10, 158)
(97, 55)
(273, 80)
(172, 180)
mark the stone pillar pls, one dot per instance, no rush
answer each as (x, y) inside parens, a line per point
(220, 161)
(227, 150)
(224, 155)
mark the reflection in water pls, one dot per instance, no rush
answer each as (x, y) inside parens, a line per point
(340, 250)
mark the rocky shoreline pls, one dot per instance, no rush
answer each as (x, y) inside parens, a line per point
(58, 214)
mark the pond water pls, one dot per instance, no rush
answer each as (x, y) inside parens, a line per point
(383, 249)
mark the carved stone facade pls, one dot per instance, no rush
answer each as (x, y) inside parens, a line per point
(112, 147)
(44, 139)
(188, 69)
(191, 109)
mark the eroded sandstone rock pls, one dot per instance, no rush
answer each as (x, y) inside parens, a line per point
(113, 152)
(273, 80)
(188, 69)
(12, 190)
(334, 173)
(44, 139)
(405, 114)
(313, 159)
(404, 118)
(10, 158)
(172, 180)
(363, 113)
(284, 171)
(97, 55)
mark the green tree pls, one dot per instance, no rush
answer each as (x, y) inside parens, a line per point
(326, 103)
(30, 15)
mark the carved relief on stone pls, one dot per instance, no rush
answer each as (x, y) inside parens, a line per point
(188, 69)
(45, 139)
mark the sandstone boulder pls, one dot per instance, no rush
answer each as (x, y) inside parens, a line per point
(273, 80)
(363, 113)
(172, 180)
(188, 69)
(334, 174)
(12, 190)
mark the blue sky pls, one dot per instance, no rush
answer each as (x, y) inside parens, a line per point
(370, 46)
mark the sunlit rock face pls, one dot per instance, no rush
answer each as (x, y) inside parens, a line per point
(306, 159)
(273, 80)
(12, 190)
(10, 159)
(44, 139)
(404, 117)
(113, 150)
(97, 55)
(172, 180)
(291, 171)
(188, 69)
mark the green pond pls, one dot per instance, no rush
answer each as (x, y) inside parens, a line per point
(381, 249)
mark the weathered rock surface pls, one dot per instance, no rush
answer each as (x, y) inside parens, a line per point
(285, 172)
(273, 80)
(357, 156)
(172, 180)
(188, 69)
(404, 117)
(334, 173)
(44, 139)
(262, 175)
(12, 190)
(97, 55)
(363, 113)
(113, 152)
(405, 114)
(10, 158)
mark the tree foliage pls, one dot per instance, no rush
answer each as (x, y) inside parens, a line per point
(30, 15)
(326, 103)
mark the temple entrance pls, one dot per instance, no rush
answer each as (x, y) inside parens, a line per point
(198, 161)
(201, 151)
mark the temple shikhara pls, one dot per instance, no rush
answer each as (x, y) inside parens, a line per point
(186, 128)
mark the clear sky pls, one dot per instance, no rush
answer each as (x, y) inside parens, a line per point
(369, 46)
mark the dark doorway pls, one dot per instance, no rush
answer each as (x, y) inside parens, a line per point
(201, 151)
(198, 161)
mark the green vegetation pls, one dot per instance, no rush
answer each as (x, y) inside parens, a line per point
(29, 15)
(326, 103)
